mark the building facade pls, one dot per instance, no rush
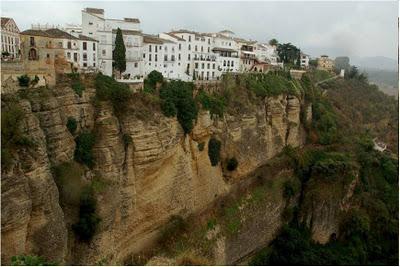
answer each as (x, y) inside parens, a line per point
(10, 39)
(325, 63)
(304, 60)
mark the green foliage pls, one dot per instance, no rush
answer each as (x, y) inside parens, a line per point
(232, 164)
(152, 80)
(119, 56)
(24, 80)
(72, 125)
(178, 95)
(88, 222)
(290, 188)
(273, 41)
(127, 139)
(270, 84)
(78, 87)
(30, 260)
(12, 135)
(84, 146)
(324, 122)
(214, 103)
(288, 53)
(200, 146)
(109, 89)
(214, 147)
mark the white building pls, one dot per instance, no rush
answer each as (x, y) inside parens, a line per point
(267, 53)
(247, 54)
(10, 40)
(304, 60)
(227, 51)
(96, 26)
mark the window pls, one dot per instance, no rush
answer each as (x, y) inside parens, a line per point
(173, 58)
(196, 65)
(32, 41)
(149, 57)
(48, 56)
(32, 54)
(179, 46)
(202, 65)
(155, 48)
(94, 64)
(90, 33)
(144, 55)
(135, 65)
(94, 46)
(213, 66)
(188, 56)
(94, 57)
(69, 55)
(90, 23)
(209, 41)
(69, 45)
(166, 49)
(84, 45)
(85, 64)
(155, 57)
(149, 48)
(103, 52)
(179, 56)
(84, 57)
(195, 48)
(224, 63)
(208, 49)
(208, 65)
(165, 57)
(201, 48)
(76, 57)
(190, 38)
(232, 64)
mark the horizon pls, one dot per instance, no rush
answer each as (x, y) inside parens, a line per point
(313, 29)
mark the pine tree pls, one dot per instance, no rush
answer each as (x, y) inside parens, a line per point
(119, 53)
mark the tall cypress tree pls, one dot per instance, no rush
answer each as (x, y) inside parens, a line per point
(119, 53)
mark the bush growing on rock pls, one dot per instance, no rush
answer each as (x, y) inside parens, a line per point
(214, 147)
(72, 125)
(88, 222)
(109, 89)
(83, 150)
(232, 164)
(30, 260)
(151, 81)
(24, 80)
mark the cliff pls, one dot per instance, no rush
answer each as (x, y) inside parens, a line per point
(160, 173)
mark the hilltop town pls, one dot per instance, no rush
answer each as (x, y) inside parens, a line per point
(44, 50)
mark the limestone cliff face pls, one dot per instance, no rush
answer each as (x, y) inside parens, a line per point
(160, 173)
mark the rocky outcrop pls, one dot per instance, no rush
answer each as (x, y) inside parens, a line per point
(159, 173)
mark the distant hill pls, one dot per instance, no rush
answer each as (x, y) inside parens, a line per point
(386, 80)
(378, 62)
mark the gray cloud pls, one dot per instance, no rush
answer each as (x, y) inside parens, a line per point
(335, 28)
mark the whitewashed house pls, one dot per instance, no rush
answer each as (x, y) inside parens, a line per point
(227, 52)
(304, 60)
(96, 26)
(10, 39)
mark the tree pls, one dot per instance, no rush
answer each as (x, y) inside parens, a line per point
(288, 53)
(119, 56)
(273, 42)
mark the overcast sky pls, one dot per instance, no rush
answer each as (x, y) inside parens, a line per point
(355, 29)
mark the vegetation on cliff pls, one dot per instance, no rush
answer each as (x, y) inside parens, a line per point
(345, 119)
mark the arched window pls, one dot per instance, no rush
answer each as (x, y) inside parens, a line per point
(32, 54)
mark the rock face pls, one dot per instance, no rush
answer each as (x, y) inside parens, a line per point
(160, 173)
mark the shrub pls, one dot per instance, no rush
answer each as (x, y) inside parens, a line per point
(215, 104)
(127, 139)
(290, 188)
(178, 96)
(72, 125)
(78, 87)
(35, 80)
(83, 150)
(214, 147)
(110, 90)
(152, 79)
(88, 222)
(24, 80)
(232, 164)
(200, 146)
(30, 260)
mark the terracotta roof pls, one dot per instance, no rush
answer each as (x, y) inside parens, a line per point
(57, 33)
(86, 38)
(153, 39)
(4, 21)
(224, 49)
(94, 10)
(135, 20)
(35, 33)
(174, 36)
(128, 32)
